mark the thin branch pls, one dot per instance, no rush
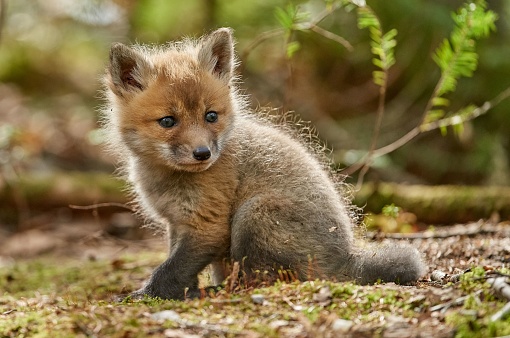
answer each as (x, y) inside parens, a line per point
(381, 151)
(278, 31)
(377, 128)
(260, 39)
(325, 13)
(447, 74)
(474, 229)
(445, 306)
(312, 25)
(492, 273)
(383, 54)
(332, 36)
(292, 305)
(501, 97)
(444, 278)
(501, 313)
(99, 205)
(438, 86)
(456, 119)
(5, 313)
(444, 122)
(501, 288)
(226, 301)
(398, 143)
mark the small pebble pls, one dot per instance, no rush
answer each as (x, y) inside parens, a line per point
(275, 324)
(341, 325)
(166, 315)
(257, 299)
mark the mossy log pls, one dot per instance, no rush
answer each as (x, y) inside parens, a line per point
(431, 204)
(30, 195)
(437, 204)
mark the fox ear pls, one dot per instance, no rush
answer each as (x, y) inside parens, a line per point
(216, 53)
(127, 69)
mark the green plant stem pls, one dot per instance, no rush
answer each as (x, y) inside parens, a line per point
(332, 36)
(445, 122)
(260, 39)
(443, 77)
(377, 129)
(325, 33)
(312, 25)
(380, 114)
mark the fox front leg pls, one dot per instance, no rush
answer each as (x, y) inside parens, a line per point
(177, 276)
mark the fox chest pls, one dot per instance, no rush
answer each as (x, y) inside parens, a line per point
(187, 204)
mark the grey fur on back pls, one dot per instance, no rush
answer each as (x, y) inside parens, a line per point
(315, 216)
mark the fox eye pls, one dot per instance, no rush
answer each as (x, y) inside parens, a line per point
(211, 116)
(167, 122)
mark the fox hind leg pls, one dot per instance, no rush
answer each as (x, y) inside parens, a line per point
(263, 238)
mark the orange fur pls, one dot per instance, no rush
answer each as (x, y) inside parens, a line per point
(227, 185)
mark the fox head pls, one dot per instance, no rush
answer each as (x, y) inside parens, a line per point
(173, 105)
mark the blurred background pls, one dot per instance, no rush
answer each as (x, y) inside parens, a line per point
(53, 54)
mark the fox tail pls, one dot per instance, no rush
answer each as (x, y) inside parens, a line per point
(399, 263)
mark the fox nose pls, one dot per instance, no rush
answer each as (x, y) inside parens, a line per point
(202, 153)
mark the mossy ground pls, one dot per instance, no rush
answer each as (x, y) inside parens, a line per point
(70, 297)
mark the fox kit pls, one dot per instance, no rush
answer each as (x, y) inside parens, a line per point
(225, 184)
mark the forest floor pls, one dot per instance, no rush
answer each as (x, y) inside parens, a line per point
(60, 281)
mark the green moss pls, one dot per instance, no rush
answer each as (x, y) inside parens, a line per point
(73, 298)
(473, 319)
(469, 326)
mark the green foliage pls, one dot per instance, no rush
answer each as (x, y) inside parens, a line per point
(286, 16)
(293, 18)
(290, 19)
(456, 56)
(53, 297)
(391, 210)
(382, 44)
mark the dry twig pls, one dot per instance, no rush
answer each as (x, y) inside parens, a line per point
(444, 278)
(501, 313)
(187, 324)
(445, 306)
(292, 305)
(100, 205)
(260, 39)
(501, 288)
(471, 230)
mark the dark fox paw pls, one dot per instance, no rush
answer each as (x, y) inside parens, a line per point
(186, 294)
(136, 295)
